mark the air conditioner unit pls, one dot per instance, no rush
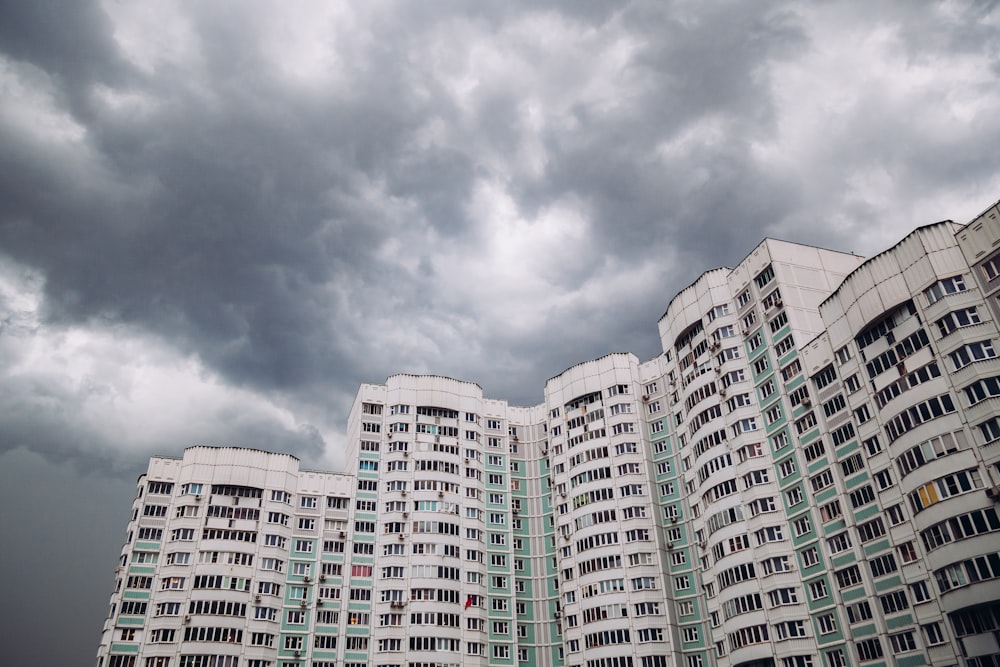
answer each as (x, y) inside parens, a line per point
(466, 459)
(406, 514)
(256, 598)
(557, 614)
(322, 577)
(396, 605)
(405, 454)
(403, 492)
(566, 537)
(440, 494)
(298, 653)
(197, 497)
(645, 398)
(993, 492)
(673, 519)
(562, 494)
(807, 401)
(187, 619)
(307, 578)
(402, 538)
(319, 602)
(343, 533)
(515, 511)
(303, 603)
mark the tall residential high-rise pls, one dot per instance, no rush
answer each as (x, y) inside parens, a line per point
(807, 476)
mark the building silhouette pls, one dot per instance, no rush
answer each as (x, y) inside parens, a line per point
(807, 476)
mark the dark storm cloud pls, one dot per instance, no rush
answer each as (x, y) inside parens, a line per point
(217, 219)
(244, 215)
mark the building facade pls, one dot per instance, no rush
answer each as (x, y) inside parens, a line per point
(807, 476)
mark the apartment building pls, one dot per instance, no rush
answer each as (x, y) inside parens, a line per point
(807, 476)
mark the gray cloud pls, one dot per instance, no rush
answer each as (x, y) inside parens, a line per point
(217, 220)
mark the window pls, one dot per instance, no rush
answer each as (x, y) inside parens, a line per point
(895, 514)
(788, 629)
(933, 634)
(830, 511)
(821, 480)
(972, 352)
(944, 287)
(764, 277)
(869, 649)
(957, 319)
(782, 596)
(859, 611)
(818, 589)
(848, 577)
(907, 552)
(920, 592)
(882, 565)
(902, 642)
(991, 268)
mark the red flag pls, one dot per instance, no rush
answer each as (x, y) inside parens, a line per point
(468, 602)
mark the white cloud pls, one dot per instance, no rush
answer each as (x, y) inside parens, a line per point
(120, 393)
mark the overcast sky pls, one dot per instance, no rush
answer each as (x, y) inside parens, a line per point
(218, 218)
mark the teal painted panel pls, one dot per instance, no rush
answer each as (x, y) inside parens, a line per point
(142, 569)
(818, 465)
(876, 547)
(911, 660)
(834, 527)
(863, 630)
(846, 559)
(148, 546)
(786, 357)
(889, 582)
(848, 449)
(832, 638)
(131, 620)
(867, 513)
(854, 594)
(825, 494)
(136, 595)
(814, 434)
(124, 648)
(857, 480)
(898, 622)
(813, 569)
